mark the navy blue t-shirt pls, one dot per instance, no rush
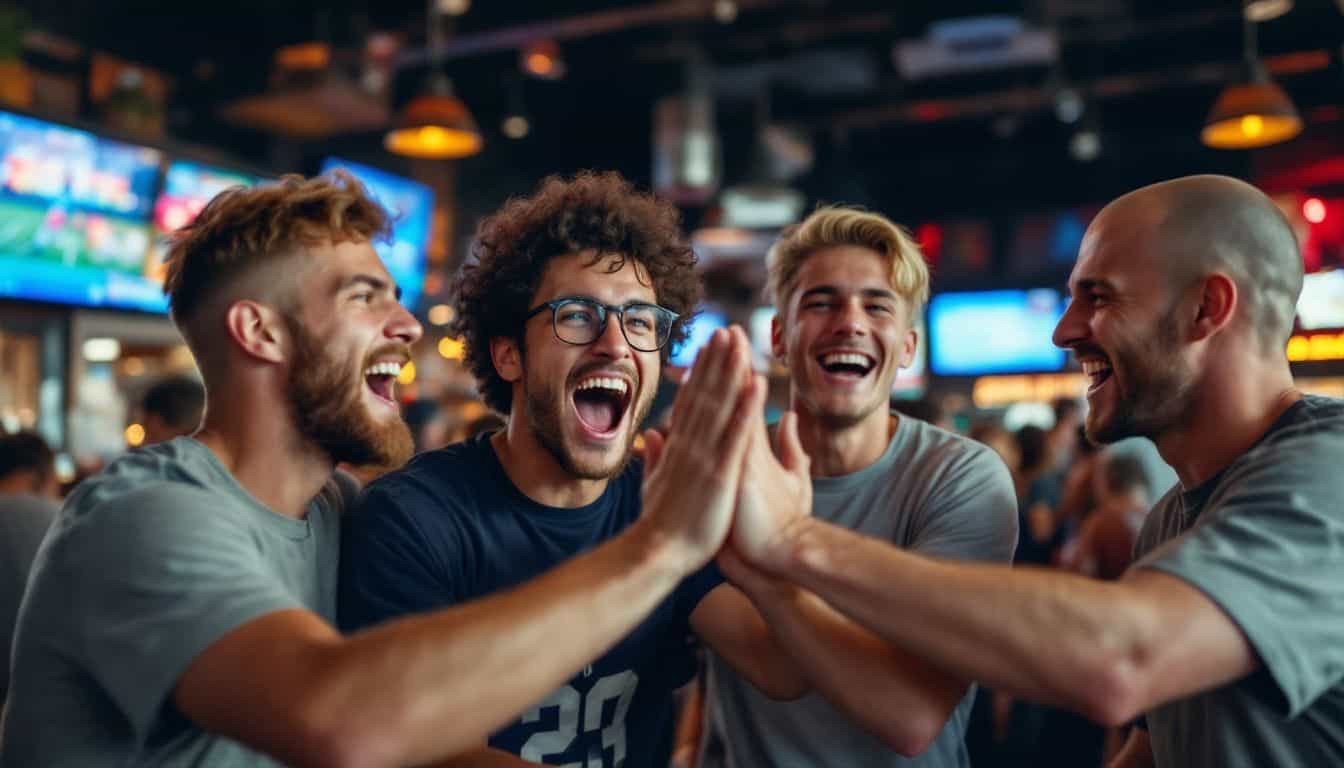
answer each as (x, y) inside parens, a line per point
(450, 527)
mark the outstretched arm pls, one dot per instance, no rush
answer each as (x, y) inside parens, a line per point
(423, 688)
(1108, 650)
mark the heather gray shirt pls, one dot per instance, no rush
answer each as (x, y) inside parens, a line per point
(1264, 539)
(24, 520)
(931, 491)
(148, 564)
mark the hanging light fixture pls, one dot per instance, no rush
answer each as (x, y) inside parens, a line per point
(435, 125)
(1252, 113)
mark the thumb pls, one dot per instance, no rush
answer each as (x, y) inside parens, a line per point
(791, 453)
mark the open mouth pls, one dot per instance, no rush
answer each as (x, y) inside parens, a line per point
(1098, 372)
(381, 379)
(601, 403)
(853, 365)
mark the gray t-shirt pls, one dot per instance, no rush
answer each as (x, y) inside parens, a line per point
(24, 520)
(931, 491)
(1264, 539)
(148, 564)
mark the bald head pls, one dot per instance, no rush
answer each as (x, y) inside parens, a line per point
(1205, 224)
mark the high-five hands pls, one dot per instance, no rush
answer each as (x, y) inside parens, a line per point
(775, 492)
(692, 479)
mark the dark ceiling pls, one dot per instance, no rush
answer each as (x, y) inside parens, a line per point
(970, 143)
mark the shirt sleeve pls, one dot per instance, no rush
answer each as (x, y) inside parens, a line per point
(170, 570)
(394, 562)
(971, 510)
(1266, 550)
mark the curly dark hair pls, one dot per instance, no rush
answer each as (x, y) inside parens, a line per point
(599, 212)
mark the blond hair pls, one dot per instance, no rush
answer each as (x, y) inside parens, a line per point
(832, 226)
(241, 229)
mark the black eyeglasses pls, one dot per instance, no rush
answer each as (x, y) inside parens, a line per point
(581, 321)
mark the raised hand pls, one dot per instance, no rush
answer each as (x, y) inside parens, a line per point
(774, 492)
(692, 477)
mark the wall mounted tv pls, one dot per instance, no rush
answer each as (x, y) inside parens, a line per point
(698, 333)
(411, 205)
(988, 332)
(75, 216)
(187, 187)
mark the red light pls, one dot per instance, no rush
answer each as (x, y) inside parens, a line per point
(1313, 210)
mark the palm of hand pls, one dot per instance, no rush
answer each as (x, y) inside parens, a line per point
(769, 498)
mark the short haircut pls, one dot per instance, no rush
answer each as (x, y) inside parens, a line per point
(1215, 222)
(178, 401)
(242, 228)
(832, 226)
(26, 451)
(600, 213)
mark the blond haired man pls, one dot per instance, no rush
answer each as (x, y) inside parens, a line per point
(847, 286)
(181, 613)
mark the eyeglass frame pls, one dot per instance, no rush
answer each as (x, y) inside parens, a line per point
(604, 311)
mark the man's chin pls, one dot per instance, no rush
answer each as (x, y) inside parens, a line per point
(592, 463)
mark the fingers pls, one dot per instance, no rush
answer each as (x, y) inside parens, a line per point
(791, 453)
(706, 403)
(733, 445)
(653, 450)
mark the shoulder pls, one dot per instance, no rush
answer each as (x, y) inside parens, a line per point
(953, 458)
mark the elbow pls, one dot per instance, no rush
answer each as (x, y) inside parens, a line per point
(328, 727)
(332, 741)
(909, 733)
(1112, 694)
(784, 685)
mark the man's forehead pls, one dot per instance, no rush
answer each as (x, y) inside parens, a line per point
(583, 272)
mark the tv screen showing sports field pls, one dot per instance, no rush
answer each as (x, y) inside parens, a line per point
(411, 205)
(986, 332)
(75, 216)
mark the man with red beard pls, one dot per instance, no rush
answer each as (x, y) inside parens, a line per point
(181, 612)
(1226, 631)
(568, 312)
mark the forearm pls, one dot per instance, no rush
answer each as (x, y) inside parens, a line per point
(1055, 638)
(901, 699)
(433, 685)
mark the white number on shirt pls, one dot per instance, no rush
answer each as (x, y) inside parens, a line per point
(619, 687)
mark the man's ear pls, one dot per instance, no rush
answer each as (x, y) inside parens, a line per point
(909, 345)
(507, 358)
(258, 330)
(1218, 300)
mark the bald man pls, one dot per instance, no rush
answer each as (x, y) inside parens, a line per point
(1228, 633)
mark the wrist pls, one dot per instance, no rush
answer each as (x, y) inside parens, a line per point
(787, 551)
(662, 551)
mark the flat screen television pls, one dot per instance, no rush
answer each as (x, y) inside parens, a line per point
(411, 205)
(1321, 305)
(187, 187)
(75, 216)
(701, 328)
(987, 332)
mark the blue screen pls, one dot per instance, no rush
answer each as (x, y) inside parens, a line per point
(971, 334)
(75, 216)
(411, 206)
(698, 331)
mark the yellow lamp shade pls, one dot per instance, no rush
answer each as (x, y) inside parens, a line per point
(1250, 115)
(435, 126)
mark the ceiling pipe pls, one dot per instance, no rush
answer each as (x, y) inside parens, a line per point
(1041, 97)
(574, 27)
